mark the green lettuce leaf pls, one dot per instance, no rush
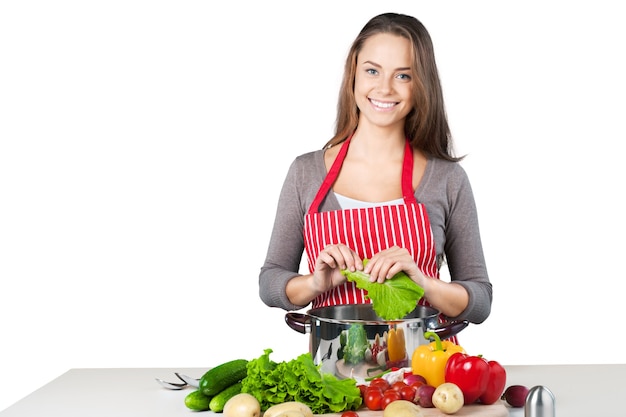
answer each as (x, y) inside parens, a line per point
(299, 380)
(391, 300)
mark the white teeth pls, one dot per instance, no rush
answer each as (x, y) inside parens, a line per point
(382, 105)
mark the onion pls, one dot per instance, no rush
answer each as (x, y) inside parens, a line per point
(515, 395)
(410, 378)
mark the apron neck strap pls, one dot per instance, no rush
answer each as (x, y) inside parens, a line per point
(407, 176)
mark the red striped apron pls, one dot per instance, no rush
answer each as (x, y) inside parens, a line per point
(367, 231)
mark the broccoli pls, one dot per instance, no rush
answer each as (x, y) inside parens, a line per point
(356, 344)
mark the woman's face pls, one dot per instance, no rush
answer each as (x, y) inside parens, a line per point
(383, 84)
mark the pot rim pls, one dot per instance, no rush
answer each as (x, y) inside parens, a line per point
(422, 313)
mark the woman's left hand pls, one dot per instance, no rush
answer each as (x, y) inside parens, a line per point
(385, 264)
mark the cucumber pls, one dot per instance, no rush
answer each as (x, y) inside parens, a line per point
(223, 376)
(197, 401)
(218, 402)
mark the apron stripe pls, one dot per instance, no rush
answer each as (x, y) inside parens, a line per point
(381, 220)
(349, 232)
(394, 226)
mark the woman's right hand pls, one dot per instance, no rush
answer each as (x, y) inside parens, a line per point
(329, 264)
(303, 289)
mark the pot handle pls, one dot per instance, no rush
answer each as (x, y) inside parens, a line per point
(448, 329)
(299, 322)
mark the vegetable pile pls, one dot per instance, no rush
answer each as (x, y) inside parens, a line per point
(299, 380)
(391, 300)
(444, 376)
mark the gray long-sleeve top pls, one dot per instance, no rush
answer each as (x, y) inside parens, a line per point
(444, 189)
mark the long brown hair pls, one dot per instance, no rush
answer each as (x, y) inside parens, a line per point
(426, 125)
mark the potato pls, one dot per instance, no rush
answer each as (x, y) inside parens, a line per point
(290, 413)
(402, 408)
(279, 409)
(448, 398)
(242, 405)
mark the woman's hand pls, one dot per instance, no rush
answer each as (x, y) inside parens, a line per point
(449, 298)
(329, 264)
(386, 263)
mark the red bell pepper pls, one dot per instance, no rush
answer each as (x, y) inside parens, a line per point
(496, 384)
(470, 373)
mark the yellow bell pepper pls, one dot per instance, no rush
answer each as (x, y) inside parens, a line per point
(430, 360)
(396, 346)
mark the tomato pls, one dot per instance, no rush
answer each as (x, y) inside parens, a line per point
(382, 383)
(398, 385)
(362, 388)
(390, 396)
(350, 414)
(408, 393)
(416, 384)
(373, 398)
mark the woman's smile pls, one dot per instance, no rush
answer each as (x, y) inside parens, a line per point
(383, 105)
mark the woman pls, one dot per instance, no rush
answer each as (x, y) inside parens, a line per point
(386, 187)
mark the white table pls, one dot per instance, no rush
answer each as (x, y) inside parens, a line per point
(580, 391)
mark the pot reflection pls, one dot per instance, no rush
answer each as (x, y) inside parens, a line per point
(351, 341)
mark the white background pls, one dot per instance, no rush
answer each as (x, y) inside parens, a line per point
(143, 145)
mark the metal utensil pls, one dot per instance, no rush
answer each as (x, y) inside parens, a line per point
(171, 385)
(188, 380)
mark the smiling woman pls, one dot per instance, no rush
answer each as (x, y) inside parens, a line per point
(386, 188)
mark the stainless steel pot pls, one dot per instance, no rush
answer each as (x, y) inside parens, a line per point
(329, 328)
